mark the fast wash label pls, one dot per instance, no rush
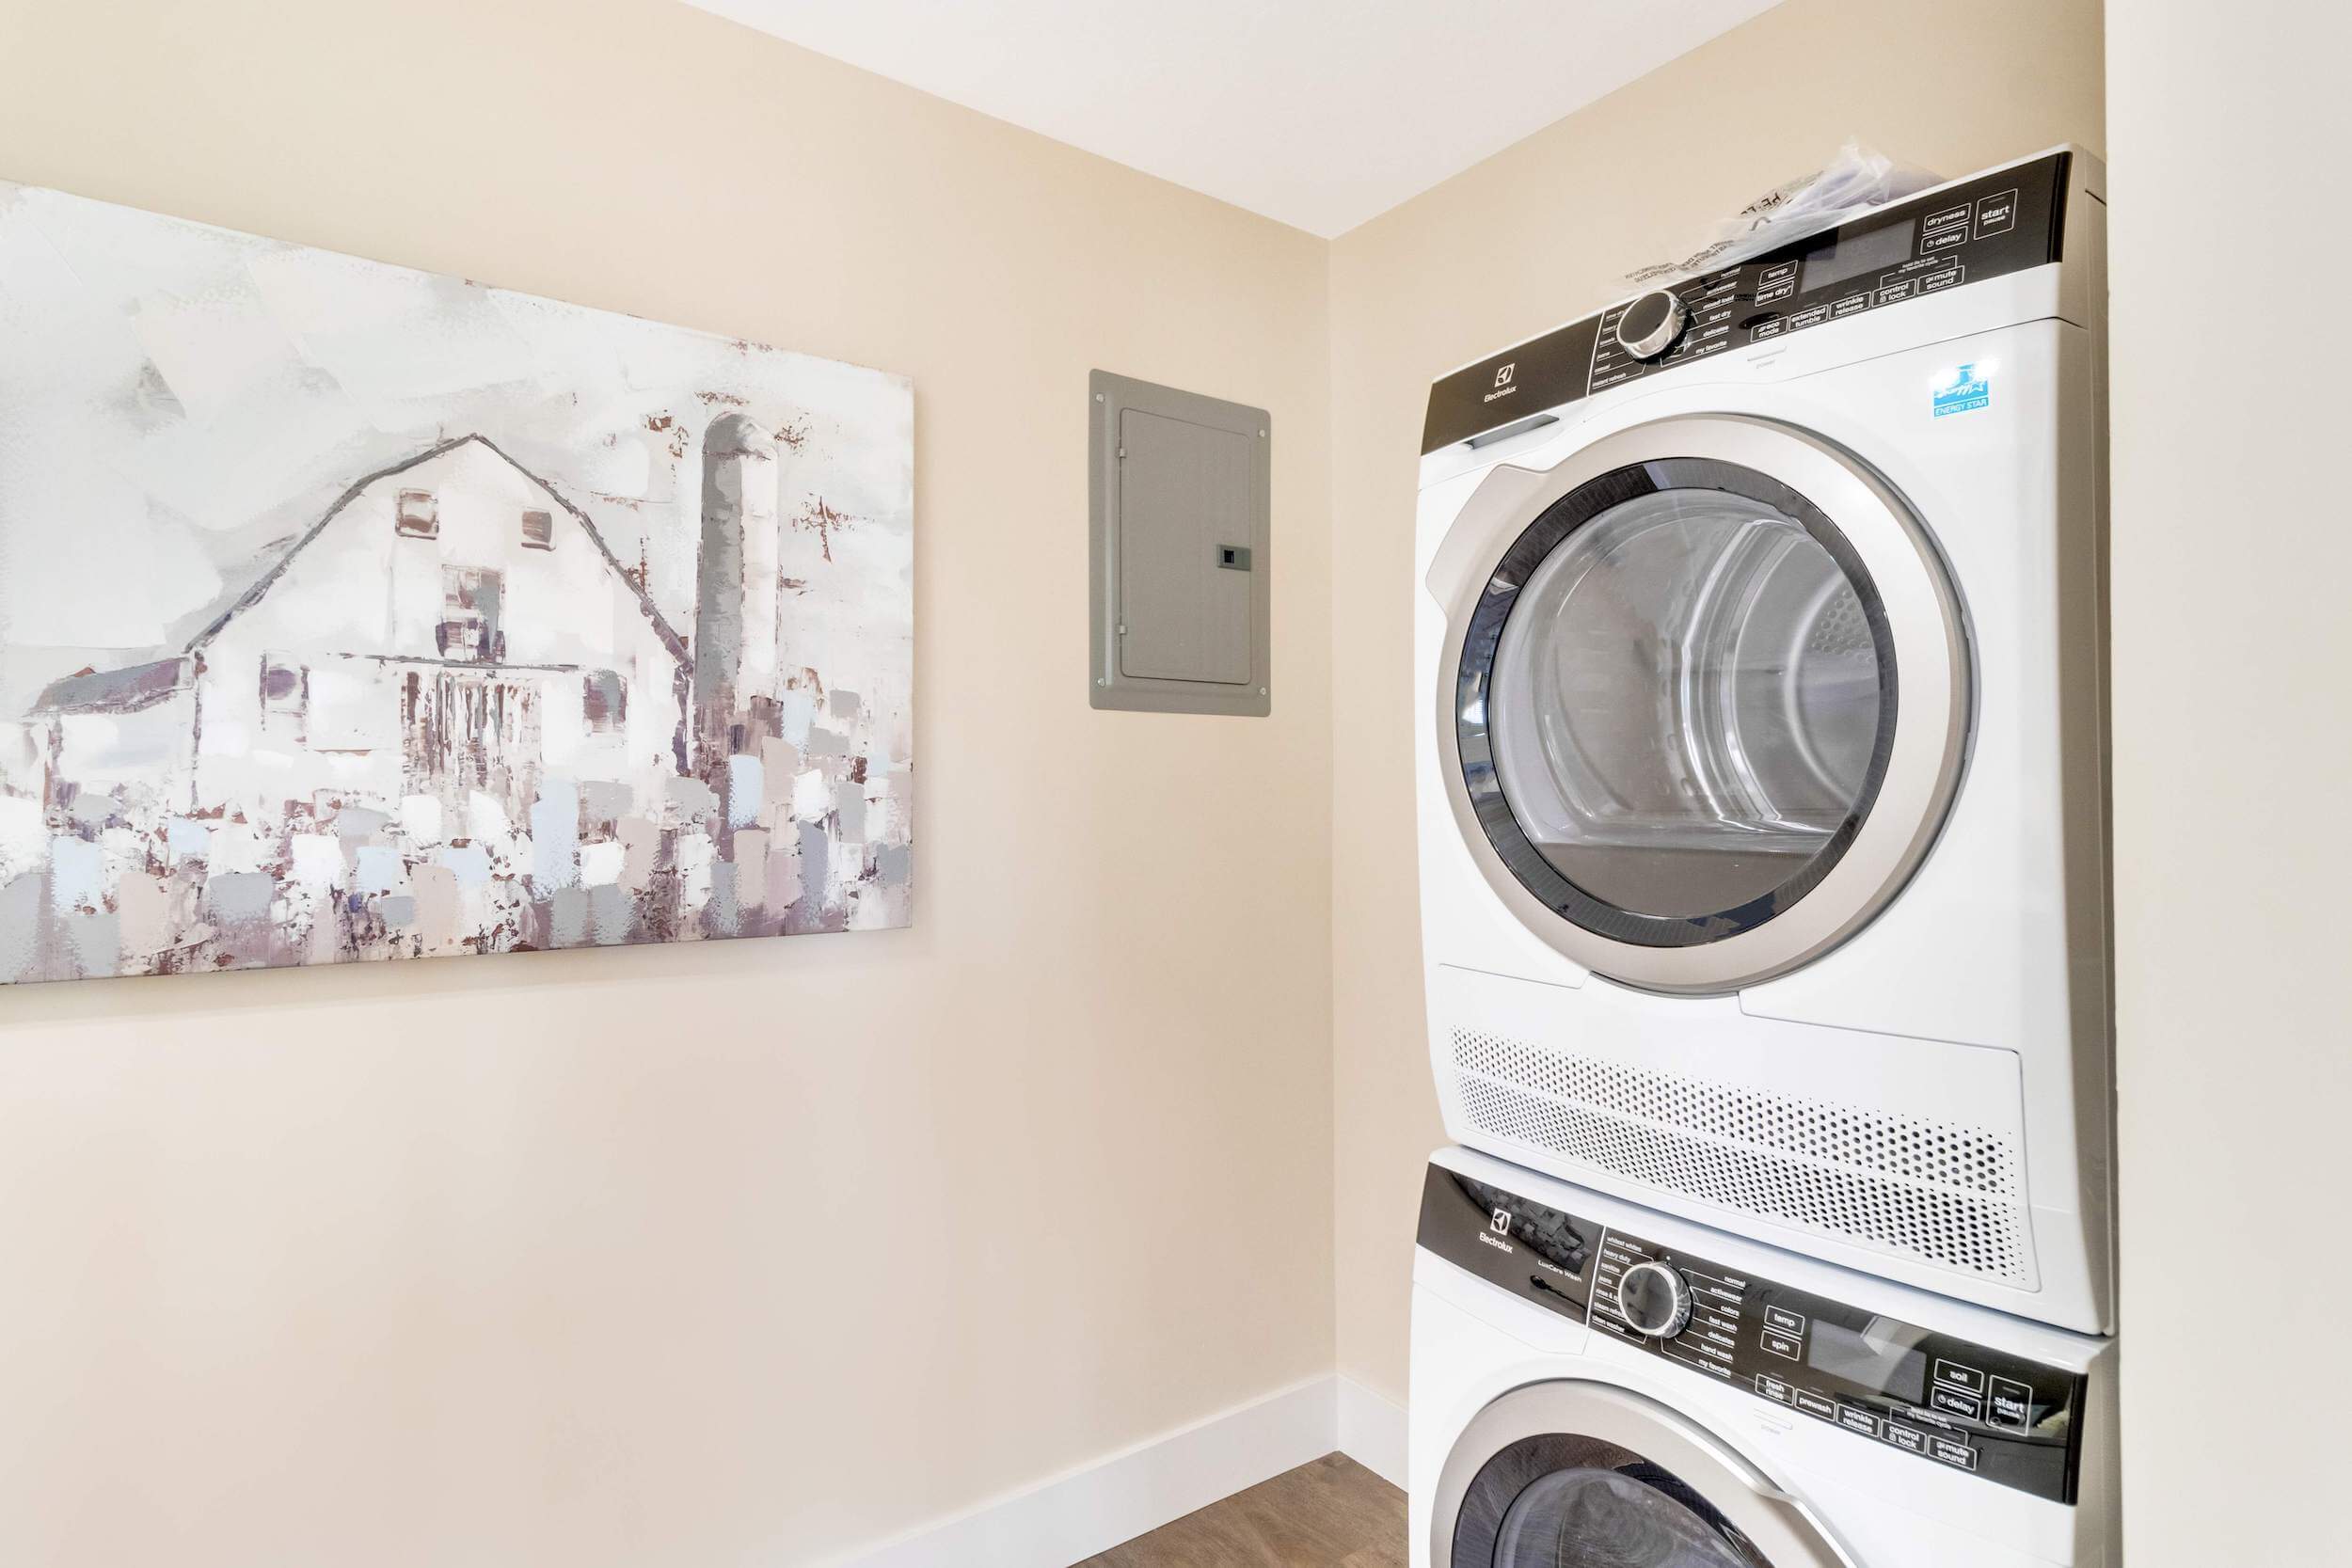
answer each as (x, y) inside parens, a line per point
(1963, 389)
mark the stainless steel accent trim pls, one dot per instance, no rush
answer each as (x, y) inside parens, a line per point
(1932, 715)
(1781, 1527)
(1677, 1291)
(1660, 339)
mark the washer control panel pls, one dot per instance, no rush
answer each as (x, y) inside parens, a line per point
(2007, 221)
(1941, 1400)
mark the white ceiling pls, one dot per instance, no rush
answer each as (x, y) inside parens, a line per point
(1320, 113)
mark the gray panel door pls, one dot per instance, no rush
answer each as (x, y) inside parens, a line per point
(1184, 532)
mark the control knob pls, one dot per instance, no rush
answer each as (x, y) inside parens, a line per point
(1654, 1299)
(1652, 322)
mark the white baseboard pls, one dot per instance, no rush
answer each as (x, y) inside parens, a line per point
(1370, 1431)
(1075, 1515)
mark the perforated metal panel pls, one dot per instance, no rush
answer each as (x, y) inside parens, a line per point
(1946, 1195)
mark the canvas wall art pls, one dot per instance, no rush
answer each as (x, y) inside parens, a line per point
(350, 612)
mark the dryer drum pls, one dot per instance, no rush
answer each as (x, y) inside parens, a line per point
(1703, 702)
(1683, 680)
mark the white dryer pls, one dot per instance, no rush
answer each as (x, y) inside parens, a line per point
(1762, 808)
(1597, 1384)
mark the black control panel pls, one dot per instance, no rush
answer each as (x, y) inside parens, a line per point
(1941, 1400)
(2007, 221)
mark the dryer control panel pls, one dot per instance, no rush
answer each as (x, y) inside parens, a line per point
(2007, 221)
(1941, 1400)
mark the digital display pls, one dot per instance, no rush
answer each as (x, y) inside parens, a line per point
(1849, 255)
(1883, 1354)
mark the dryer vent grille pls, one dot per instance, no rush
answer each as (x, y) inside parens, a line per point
(1942, 1194)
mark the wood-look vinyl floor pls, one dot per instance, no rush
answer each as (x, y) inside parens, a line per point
(1332, 1513)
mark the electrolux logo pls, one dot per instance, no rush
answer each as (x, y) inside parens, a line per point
(1502, 376)
(1501, 1222)
(1504, 384)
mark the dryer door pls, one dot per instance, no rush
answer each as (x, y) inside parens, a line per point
(1584, 1475)
(1704, 699)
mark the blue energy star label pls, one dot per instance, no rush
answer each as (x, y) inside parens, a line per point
(1966, 389)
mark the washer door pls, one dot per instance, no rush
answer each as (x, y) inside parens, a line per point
(1703, 712)
(1583, 1475)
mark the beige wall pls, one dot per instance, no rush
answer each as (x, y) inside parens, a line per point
(2233, 635)
(740, 1252)
(1536, 235)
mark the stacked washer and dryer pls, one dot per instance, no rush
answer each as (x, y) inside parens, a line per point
(1763, 863)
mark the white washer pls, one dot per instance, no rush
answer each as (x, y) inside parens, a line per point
(1761, 781)
(1771, 1411)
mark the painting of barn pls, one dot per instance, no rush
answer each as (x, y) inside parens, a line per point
(351, 612)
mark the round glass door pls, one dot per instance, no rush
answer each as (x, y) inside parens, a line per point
(1557, 1501)
(1576, 1474)
(1680, 698)
(1689, 703)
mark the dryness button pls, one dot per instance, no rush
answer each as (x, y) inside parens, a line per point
(1947, 217)
(2010, 1405)
(1950, 1452)
(1996, 214)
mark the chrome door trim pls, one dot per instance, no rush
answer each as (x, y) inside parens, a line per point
(1930, 657)
(1780, 1525)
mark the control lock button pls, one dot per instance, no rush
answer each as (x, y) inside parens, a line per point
(1909, 1439)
